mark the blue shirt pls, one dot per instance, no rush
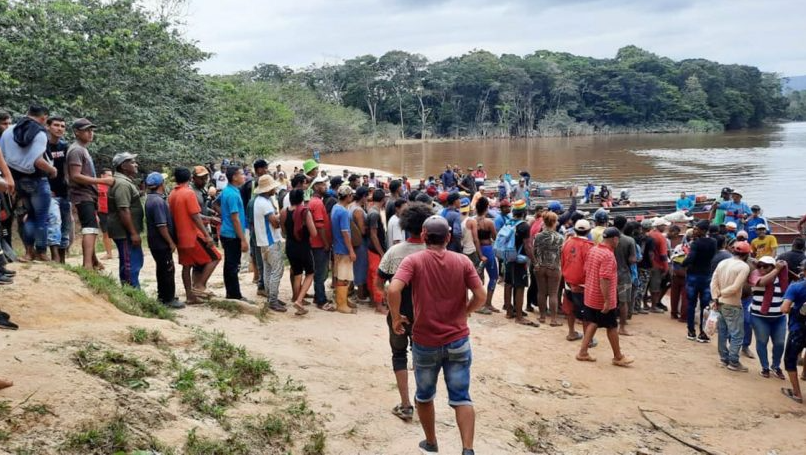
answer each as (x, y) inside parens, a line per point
(448, 179)
(157, 215)
(500, 221)
(231, 202)
(750, 227)
(339, 221)
(796, 292)
(735, 212)
(684, 204)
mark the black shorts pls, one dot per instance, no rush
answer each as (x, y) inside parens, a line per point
(103, 219)
(607, 320)
(516, 275)
(795, 344)
(578, 301)
(301, 260)
(87, 217)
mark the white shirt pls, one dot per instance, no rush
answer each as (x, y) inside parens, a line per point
(265, 233)
(395, 233)
(220, 180)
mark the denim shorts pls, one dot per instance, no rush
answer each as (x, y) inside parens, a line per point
(454, 360)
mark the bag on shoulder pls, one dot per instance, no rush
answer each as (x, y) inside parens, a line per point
(504, 245)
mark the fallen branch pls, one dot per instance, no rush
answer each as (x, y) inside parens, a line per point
(673, 436)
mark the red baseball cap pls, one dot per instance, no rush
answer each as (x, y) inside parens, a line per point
(443, 196)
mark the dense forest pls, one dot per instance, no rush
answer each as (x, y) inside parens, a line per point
(134, 73)
(796, 109)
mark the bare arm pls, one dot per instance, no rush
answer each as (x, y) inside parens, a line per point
(310, 224)
(283, 215)
(81, 179)
(199, 222)
(6, 173)
(604, 285)
(479, 297)
(394, 294)
(474, 230)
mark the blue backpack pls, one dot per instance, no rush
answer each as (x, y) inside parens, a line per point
(504, 245)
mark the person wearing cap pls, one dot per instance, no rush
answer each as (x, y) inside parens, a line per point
(269, 240)
(516, 275)
(600, 219)
(727, 283)
(735, 210)
(233, 231)
(697, 263)
(793, 305)
(480, 175)
(764, 244)
(520, 192)
(344, 254)
(126, 218)
(573, 255)
(731, 231)
(601, 298)
(717, 214)
(660, 263)
(769, 282)
(320, 243)
(452, 203)
(160, 232)
(439, 282)
(376, 236)
(754, 220)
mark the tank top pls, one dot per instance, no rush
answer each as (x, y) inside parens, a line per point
(289, 231)
(468, 247)
(484, 234)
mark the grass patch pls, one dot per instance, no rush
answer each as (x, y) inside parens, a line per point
(141, 335)
(125, 298)
(534, 443)
(113, 366)
(228, 306)
(316, 444)
(199, 445)
(110, 437)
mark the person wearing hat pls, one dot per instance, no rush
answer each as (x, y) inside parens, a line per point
(573, 255)
(601, 298)
(754, 220)
(269, 240)
(516, 275)
(727, 283)
(769, 282)
(660, 263)
(441, 307)
(344, 254)
(452, 203)
(160, 232)
(735, 210)
(126, 218)
(764, 244)
(600, 219)
(311, 170)
(697, 263)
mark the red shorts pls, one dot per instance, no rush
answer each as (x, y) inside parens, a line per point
(200, 254)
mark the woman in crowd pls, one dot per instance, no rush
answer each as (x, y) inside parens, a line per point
(548, 246)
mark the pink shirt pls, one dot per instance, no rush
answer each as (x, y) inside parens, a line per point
(600, 263)
(439, 282)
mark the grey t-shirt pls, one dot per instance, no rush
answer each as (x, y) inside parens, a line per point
(624, 251)
(78, 155)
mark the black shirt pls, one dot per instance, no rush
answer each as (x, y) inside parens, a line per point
(647, 246)
(57, 153)
(699, 257)
(374, 221)
(793, 259)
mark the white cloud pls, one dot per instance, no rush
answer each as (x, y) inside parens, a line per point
(297, 33)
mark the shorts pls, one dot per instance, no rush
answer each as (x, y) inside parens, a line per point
(400, 343)
(454, 360)
(624, 293)
(103, 219)
(795, 344)
(607, 320)
(343, 267)
(198, 255)
(88, 217)
(655, 280)
(577, 301)
(300, 259)
(516, 275)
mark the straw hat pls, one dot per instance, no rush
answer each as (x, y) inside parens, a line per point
(267, 183)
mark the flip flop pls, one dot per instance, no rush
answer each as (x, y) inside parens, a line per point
(327, 307)
(494, 309)
(556, 324)
(484, 310)
(791, 395)
(586, 358)
(576, 337)
(623, 361)
(301, 310)
(529, 323)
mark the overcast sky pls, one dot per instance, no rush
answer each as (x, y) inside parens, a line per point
(769, 34)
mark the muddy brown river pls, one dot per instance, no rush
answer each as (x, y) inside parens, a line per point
(768, 165)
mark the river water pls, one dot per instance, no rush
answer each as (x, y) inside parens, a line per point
(768, 165)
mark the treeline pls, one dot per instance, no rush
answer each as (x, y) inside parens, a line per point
(545, 93)
(796, 107)
(130, 71)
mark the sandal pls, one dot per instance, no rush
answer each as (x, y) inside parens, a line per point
(405, 413)
(623, 361)
(555, 324)
(791, 395)
(528, 323)
(301, 310)
(585, 358)
(327, 307)
(484, 310)
(575, 337)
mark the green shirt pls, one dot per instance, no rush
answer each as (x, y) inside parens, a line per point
(124, 195)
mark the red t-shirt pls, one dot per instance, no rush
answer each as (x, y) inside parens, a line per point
(183, 205)
(574, 253)
(535, 228)
(320, 219)
(439, 281)
(601, 263)
(660, 249)
(103, 202)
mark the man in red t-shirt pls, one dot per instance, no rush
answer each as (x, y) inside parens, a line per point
(660, 264)
(601, 280)
(439, 281)
(574, 253)
(194, 244)
(320, 244)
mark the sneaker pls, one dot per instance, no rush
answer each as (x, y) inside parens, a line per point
(468, 452)
(723, 363)
(7, 272)
(765, 373)
(276, 306)
(175, 304)
(691, 335)
(657, 310)
(5, 323)
(738, 367)
(5, 279)
(779, 374)
(426, 447)
(662, 306)
(703, 338)
(642, 310)
(747, 353)
(405, 413)
(262, 292)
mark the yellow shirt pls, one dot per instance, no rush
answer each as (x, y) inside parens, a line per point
(764, 247)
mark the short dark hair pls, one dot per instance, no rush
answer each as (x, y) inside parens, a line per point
(413, 216)
(435, 239)
(353, 177)
(55, 118)
(37, 110)
(798, 244)
(360, 193)
(261, 164)
(4, 115)
(231, 171)
(424, 198)
(631, 228)
(619, 222)
(378, 195)
(298, 179)
(181, 175)
(295, 197)
(395, 185)
(413, 195)
(720, 241)
(400, 202)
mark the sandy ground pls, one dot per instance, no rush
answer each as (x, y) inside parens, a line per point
(522, 377)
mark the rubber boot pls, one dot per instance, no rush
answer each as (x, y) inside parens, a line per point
(341, 300)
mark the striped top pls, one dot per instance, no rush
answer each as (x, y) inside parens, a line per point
(775, 306)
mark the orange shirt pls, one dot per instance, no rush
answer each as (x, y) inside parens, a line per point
(574, 253)
(183, 205)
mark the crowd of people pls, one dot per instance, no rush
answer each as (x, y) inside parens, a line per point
(412, 251)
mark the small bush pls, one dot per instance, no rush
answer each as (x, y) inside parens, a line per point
(112, 366)
(110, 437)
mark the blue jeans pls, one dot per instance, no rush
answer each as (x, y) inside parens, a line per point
(748, 322)
(697, 287)
(731, 331)
(321, 261)
(35, 194)
(67, 221)
(765, 329)
(130, 260)
(454, 360)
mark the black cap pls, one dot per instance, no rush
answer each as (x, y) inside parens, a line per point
(755, 208)
(336, 181)
(610, 233)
